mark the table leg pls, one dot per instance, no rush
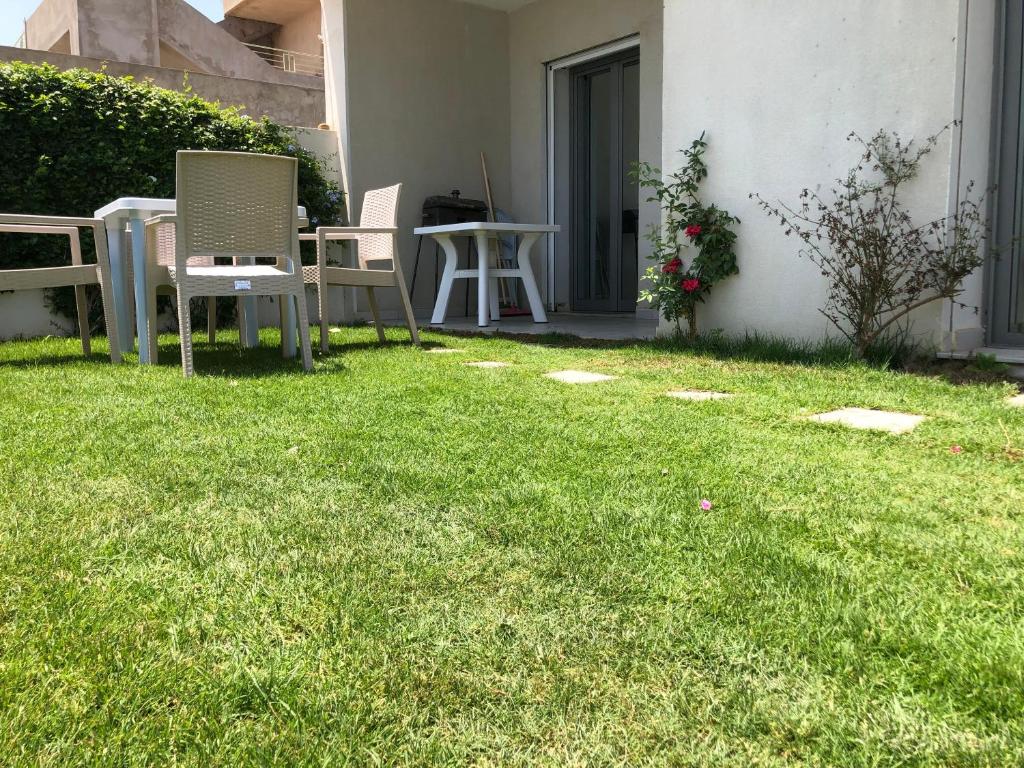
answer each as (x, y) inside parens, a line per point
(115, 248)
(249, 326)
(290, 329)
(142, 318)
(529, 282)
(483, 261)
(444, 292)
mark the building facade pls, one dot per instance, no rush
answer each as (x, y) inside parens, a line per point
(161, 40)
(562, 95)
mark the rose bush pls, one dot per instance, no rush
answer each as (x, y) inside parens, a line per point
(674, 287)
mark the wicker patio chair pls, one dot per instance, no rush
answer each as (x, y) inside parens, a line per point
(77, 274)
(377, 240)
(234, 207)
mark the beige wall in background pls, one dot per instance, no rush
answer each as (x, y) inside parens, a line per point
(162, 33)
(426, 90)
(50, 22)
(546, 30)
(301, 34)
(121, 30)
(287, 104)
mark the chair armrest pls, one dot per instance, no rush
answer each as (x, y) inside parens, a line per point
(164, 218)
(50, 221)
(342, 233)
(70, 232)
(62, 225)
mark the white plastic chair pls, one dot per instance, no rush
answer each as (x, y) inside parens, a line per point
(376, 239)
(232, 206)
(78, 274)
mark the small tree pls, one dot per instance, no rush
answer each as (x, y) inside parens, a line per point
(675, 288)
(880, 265)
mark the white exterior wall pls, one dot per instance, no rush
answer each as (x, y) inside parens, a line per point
(418, 90)
(778, 84)
(544, 31)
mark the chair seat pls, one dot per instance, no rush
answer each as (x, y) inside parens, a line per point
(237, 273)
(351, 277)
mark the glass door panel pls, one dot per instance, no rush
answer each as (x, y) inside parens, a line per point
(606, 143)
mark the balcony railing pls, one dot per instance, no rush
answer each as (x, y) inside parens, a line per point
(290, 61)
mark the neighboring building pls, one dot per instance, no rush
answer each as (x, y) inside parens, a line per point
(285, 32)
(563, 94)
(162, 39)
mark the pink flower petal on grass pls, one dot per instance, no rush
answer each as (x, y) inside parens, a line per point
(705, 505)
(956, 449)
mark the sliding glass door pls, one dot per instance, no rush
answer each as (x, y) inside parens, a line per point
(1007, 283)
(606, 200)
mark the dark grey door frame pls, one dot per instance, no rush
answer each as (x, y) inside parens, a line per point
(1006, 279)
(621, 298)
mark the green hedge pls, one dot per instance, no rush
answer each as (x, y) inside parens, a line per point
(73, 141)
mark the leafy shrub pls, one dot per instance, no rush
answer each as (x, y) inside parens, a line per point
(880, 263)
(75, 140)
(675, 288)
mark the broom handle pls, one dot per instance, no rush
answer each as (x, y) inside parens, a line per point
(503, 291)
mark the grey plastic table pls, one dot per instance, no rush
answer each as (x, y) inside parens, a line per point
(131, 213)
(485, 274)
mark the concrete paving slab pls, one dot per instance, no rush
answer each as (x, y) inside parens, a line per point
(579, 377)
(864, 418)
(698, 396)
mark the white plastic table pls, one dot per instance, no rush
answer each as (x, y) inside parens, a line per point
(486, 274)
(132, 212)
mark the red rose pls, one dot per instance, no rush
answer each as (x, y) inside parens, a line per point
(693, 230)
(690, 285)
(672, 267)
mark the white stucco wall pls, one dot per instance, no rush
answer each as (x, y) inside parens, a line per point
(544, 31)
(778, 84)
(418, 90)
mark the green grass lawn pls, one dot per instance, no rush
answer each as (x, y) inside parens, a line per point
(401, 560)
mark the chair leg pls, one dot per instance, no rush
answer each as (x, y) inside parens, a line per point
(185, 332)
(282, 307)
(240, 315)
(375, 311)
(211, 318)
(109, 318)
(82, 307)
(321, 297)
(302, 320)
(152, 329)
(410, 318)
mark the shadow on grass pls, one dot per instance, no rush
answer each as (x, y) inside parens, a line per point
(893, 355)
(226, 359)
(63, 361)
(753, 348)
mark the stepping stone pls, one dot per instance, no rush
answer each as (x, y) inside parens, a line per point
(579, 377)
(1017, 402)
(444, 351)
(864, 418)
(487, 364)
(697, 395)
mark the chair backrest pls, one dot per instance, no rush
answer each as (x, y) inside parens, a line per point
(380, 209)
(236, 204)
